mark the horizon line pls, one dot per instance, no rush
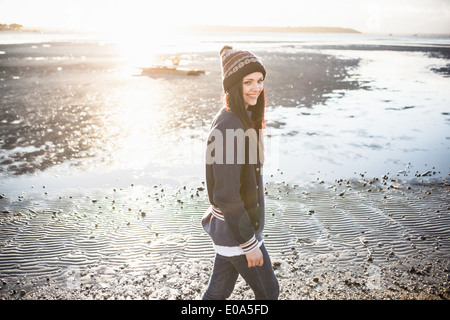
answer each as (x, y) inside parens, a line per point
(240, 28)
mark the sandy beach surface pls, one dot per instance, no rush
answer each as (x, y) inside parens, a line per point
(102, 174)
(359, 239)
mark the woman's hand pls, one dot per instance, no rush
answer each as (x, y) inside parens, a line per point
(254, 258)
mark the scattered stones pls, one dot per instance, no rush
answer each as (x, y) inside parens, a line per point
(322, 266)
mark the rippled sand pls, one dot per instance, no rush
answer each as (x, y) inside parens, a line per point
(366, 239)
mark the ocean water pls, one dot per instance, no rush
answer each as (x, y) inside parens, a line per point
(75, 110)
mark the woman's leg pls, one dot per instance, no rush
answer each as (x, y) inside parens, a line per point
(222, 280)
(261, 279)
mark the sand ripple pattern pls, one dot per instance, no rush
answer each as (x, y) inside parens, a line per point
(140, 228)
(350, 226)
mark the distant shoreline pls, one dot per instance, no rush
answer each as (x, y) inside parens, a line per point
(203, 28)
(234, 29)
(271, 29)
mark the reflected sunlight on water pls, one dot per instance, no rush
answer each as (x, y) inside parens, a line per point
(83, 106)
(140, 123)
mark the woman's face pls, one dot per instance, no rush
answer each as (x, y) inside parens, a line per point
(252, 85)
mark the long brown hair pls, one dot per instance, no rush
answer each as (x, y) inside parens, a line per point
(234, 101)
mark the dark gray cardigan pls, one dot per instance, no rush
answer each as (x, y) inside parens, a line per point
(235, 219)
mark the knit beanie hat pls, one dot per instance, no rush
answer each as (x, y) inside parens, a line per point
(236, 64)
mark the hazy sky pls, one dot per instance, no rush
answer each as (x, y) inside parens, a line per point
(371, 16)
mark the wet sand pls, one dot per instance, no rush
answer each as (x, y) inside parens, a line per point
(64, 102)
(352, 239)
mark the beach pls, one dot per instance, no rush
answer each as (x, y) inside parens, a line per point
(102, 169)
(348, 240)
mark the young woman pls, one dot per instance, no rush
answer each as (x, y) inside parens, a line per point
(235, 219)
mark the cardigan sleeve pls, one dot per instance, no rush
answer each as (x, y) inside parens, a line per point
(227, 196)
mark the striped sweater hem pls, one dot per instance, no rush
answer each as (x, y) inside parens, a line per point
(229, 251)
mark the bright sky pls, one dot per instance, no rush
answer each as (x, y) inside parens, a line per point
(371, 16)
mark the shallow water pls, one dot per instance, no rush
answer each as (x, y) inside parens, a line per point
(72, 107)
(397, 125)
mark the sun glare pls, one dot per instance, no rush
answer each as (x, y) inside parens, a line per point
(139, 120)
(143, 39)
(140, 30)
(140, 48)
